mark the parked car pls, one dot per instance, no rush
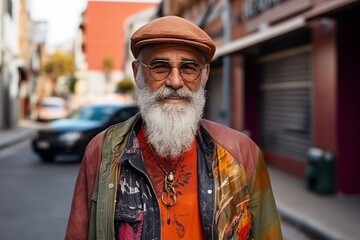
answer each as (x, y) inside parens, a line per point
(70, 135)
(52, 108)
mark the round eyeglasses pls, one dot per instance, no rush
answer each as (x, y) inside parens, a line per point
(160, 70)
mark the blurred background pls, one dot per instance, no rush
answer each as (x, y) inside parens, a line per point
(285, 72)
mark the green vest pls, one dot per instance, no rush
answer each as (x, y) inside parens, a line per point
(115, 139)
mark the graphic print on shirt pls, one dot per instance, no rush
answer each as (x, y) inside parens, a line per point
(233, 214)
(182, 220)
(180, 229)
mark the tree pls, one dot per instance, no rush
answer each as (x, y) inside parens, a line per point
(126, 85)
(59, 64)
(108, 66)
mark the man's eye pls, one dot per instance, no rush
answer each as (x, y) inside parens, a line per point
(190, 67)
(160, 66)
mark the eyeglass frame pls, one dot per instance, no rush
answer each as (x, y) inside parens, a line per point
(171, 67)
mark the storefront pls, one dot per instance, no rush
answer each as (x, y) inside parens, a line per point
(292, 80)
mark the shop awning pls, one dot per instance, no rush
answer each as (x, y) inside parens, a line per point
(331, 7)
(260, 36)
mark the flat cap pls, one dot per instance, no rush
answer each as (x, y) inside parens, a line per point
(173, 29)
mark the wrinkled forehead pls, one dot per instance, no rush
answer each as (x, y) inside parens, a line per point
(170, 52)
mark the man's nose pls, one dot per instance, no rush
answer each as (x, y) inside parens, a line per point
(174, 80)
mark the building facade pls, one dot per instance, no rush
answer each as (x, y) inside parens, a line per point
(21, 51)
(286, 72)
(103, 35)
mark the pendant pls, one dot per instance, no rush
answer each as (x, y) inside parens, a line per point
(170, 177)
(170, 191)
(169, 196)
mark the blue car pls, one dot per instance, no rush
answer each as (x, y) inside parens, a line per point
(70, 136)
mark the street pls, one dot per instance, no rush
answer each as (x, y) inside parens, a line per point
(35, 197)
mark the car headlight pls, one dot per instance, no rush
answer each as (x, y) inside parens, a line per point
(70, 137)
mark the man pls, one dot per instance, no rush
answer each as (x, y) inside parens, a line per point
(166, 173)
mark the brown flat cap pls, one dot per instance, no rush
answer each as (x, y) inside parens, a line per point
(173, 29)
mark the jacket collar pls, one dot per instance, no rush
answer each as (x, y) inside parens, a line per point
(132, 150)
(207, 146)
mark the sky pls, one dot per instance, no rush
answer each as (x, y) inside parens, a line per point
(62, 17)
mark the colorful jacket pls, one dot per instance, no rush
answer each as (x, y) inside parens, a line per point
(235, 195)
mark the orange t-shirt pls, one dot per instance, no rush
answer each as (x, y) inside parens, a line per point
(185, 219)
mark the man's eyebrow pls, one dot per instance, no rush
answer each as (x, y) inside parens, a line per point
(159, 59)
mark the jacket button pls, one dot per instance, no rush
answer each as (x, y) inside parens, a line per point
(111, 185)
(209, 191)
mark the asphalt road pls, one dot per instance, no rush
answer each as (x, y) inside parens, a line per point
(35, 197)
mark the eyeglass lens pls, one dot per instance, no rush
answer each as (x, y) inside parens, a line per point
(160, 70)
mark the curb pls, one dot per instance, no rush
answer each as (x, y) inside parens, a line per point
(309, 227)
(17, 136)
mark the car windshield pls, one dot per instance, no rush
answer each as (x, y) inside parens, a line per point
(94, 113)
(52, 105)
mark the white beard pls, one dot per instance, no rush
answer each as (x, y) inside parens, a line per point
(170, 128)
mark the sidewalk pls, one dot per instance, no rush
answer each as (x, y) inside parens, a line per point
(9, 137)
(328, 217)
(322, 217)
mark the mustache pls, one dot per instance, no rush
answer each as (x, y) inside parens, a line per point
(167, 92)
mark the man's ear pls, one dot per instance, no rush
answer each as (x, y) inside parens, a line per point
(135, 68)
(207, 69)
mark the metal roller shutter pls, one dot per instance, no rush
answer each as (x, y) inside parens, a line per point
(285, 103)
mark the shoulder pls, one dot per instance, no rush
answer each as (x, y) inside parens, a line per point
(122, 128)
(224, 134)
(117, 135)
(94, 145)
(114, 133)
(240, 145)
